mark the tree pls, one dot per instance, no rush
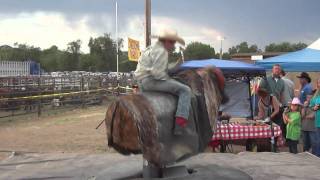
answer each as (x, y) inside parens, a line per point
(50, 58)
(226, 56)
(124, 64)
(73, 55)
(285, 47)
(105, 48)
(88, 62)
(243, 48)
(198, 50)
(20, 52)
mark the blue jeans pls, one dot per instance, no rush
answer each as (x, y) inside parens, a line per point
(309, 141)
(317, 149)
(173, 87)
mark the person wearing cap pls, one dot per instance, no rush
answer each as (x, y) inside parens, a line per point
(293, 121)
(152, 75)
(306, 87)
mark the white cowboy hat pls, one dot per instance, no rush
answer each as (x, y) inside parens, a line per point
(170, 34)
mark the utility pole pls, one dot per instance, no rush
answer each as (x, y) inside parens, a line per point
(117, 43)
(220, 38)
(148, 22)
(221, 49)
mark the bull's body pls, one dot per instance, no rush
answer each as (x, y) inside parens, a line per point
(144, 122)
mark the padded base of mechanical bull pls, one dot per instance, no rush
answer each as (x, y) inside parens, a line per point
(198, 172)
(110, 166)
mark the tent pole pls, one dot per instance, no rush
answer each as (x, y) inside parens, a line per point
(250, 98)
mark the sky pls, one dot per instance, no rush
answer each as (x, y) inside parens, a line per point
(44, 23)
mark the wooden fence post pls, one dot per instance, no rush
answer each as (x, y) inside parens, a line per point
(39, 100)
(81, 92)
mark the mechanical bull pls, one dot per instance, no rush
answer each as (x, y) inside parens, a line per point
(143, 123)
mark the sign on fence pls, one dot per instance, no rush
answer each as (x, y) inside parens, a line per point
(133, 50)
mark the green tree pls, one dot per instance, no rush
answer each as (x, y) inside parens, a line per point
(198, 50)
(20, 52)
(50, 58)
(243, 48)
(285, 47)
(226, 55)
(124, 64)
(88, 62)
(105, 48)
(73, 55)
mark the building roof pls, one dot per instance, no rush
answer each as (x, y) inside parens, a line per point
(258, 53)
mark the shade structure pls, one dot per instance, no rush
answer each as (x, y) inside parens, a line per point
(239, 106)
(227, 66)
(307, 59)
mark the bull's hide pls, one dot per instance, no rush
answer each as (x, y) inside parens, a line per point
(144, 122)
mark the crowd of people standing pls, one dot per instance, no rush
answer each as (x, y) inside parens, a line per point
(297, 112)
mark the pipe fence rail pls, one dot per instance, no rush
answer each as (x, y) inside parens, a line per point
(38, 94)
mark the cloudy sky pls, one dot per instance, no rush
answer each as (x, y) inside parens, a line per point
(56, 22)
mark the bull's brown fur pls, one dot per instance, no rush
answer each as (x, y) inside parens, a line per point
(132, 125)
(124, 120)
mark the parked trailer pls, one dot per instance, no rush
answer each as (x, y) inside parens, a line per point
(18, 68)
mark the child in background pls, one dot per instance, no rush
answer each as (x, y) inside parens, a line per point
(293, 121)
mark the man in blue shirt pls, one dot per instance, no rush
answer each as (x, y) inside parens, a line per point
(306, 87)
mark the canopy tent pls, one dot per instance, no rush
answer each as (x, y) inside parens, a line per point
(228, 67)
(307, 59)
(238, 91)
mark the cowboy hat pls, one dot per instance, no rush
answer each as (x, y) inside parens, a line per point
(305, 76)
(296, 101)
(170, 34)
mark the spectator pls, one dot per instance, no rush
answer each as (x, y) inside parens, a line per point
(274, 83)
(288, 93)
(268, 108)
(276, 88)
(315, 105)
(293, 121)
(308, 127)
(268, 105)
(306, 87)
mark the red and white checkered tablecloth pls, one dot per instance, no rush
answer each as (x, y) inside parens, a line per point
(234, 131)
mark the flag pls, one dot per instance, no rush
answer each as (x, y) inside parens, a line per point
(133, 49)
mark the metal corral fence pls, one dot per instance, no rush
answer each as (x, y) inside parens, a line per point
(36, 94)
(19, 68)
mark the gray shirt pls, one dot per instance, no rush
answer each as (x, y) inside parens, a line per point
(288, 93)
(308, 119)
(153, 62)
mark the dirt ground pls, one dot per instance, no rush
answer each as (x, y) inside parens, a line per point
(67, 131)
